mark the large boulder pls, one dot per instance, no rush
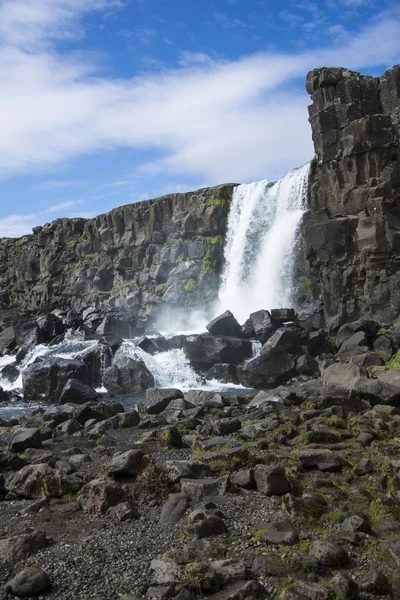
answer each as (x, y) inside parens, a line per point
(265, 370)
(263, 325)
(35, 481)
(225, 324)
(77, 392)
(99, 495)
(127, 376)
(29, 582)
(9, 372)
(283, 339)
(158, 399)
(47, 378)
(19, 547)
(204, 350)
(24, 439)
(342, 374)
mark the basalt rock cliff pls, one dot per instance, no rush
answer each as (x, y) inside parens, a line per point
(352, 230)
(166, 251)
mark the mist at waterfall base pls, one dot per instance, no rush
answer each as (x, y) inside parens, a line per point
(260, 255)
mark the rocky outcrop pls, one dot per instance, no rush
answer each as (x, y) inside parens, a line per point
(352, 231)
(165, 251)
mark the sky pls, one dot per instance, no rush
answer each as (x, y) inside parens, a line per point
(109, 102)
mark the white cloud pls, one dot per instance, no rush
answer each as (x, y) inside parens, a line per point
(62, 206)
(29, 23)
(213, 119)
(16, 225)
(54, 184)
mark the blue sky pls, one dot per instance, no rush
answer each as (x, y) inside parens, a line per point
(107, 102)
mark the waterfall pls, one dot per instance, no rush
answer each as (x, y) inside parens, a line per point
(261, 242)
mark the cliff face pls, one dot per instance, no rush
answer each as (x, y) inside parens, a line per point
(352, 230)
(168, 251)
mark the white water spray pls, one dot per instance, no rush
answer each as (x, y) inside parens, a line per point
(261, 243)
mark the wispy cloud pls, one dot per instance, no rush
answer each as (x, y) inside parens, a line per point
(16, 225)
(144, 35)
(55, 184)
(228, 22)
(29, 24)
(213, 119)
(62, 206)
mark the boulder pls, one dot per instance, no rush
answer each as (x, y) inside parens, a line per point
(35, 481)
(271, 481)
(205, 399)
(198, 488)
(204, 523)
(263, 325)
(153, 345)
(157, 399)
(265, 370)
(342, 375)
(329, 554)
(99, 495)
(47, 378)
(29, 582)
(121, 512)
(127, 376)
(356, 344)
(25, 438)
(77, 392)
(283, 339)
(9, 372)
(174, 508)
(322, 459)
(204, 350)
(225, 325)
(127, 464)
(280, 532)
(383, 346)
(17, 548)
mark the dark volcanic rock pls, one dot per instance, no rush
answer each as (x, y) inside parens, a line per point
(77, 392)
(146, 257)
(47, 378)
(266, 370)
(9, 372)
(225, 324)
(205, 350)
(157, 399)
(263, 326)
(127, 376)
(351, 230)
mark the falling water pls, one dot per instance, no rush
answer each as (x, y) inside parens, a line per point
(261, 243)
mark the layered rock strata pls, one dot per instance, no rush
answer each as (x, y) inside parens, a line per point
(164, 251)
(352, 230)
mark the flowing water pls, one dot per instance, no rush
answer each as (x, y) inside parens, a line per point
(260, 255)
(261, 244)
